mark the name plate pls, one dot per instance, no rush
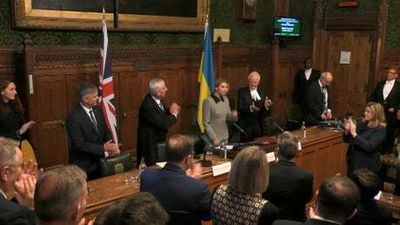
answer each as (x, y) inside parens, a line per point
(221, 169)
(271, 157)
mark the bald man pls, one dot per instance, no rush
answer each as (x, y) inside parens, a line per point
(253, 105)
(317, 107)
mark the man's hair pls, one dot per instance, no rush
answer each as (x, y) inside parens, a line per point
(253, 73)
(143, 209)
(86, 88)
(368, 183)
(338, 197)
(154, 85)
(178, 147)
(8, 151)
(58, 191)
(287, 145)
(250, 171)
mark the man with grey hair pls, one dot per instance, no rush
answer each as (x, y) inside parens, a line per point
(89, 137)
(60, 196)
(253, 105)
(15, 178)
(317, 107)
(155, 117)
(290, 187)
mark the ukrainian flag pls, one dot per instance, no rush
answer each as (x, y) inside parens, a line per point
(206, 76)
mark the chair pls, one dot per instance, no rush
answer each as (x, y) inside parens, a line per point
(271, 127)
(28, 153)
(177, 217)
(294, 117)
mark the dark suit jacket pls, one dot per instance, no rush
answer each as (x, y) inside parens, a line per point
(250, 120)
(315, 103)
(12, 213)
(152, 129)
(290, 188)
(363, 149)
(308, 222)
(85, 143)
(177, 192)
(371, 213)
(301, 85)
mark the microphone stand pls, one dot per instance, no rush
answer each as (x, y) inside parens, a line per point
(204, 162)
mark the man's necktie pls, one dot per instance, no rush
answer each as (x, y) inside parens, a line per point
(161, 106)
(93, 119)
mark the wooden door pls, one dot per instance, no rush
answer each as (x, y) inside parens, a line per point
(348, 93)
(49, 137)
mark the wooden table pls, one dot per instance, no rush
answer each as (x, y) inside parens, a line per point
(324, 153)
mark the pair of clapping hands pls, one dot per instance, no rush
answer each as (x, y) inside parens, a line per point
(350, 127)
(267, 104)
(24, 186)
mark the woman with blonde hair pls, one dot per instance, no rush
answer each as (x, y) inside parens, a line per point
(240, 202)
(365, 138)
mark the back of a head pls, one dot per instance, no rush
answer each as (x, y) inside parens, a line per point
(143, 209)
(287, 145)
(8, 151)
(338, 197)
(368, 183)
(59, 192)
(250, 171)
(178, 147)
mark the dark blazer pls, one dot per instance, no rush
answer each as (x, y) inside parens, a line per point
(290, 188)
(85, 142)
(12, 213)
(251, 122)
(308, 222)
(314, 105)
(363, 149)
(11, 121)
(152, 129)
(371, 213)
(177, 192)
(301, 85)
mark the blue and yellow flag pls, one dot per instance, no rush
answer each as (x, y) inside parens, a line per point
(206, 76)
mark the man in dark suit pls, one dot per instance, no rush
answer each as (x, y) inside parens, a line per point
(252, 104)
(303, 79)
(14, 179)
(337, 200)
(290, 188)
(89, 137)
(317, 107)
(369, 212)
(178, 186)
(387, 92)
(154, 120)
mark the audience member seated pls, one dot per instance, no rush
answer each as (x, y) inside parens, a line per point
(141, 209)
(60, 196)
(290, 188)
(177, 185)
(14, 177)
(337, 200)
(241, 202)
(369, 212)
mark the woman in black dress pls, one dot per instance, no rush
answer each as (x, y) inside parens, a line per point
(12, 122)
(365, 138)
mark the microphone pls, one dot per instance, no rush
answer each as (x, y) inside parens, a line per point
(277, 126)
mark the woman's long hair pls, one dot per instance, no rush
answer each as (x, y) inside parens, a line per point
(379, 115)
(16, 104)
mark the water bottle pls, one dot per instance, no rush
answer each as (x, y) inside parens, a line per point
(223, 148)
(141, 167)
(304, 129)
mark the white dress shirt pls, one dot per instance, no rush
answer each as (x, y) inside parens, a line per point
(307, 73)
(387, 88)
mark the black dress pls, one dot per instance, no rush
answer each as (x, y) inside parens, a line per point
(11, 120)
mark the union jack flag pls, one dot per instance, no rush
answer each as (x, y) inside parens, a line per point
(106, 86)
